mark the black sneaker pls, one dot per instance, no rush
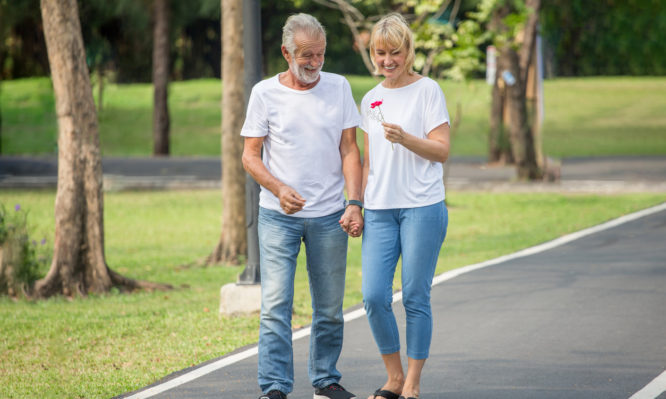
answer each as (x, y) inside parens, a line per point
(274, 394)
(333, 391)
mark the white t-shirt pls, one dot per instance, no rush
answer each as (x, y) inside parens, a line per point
(302, 130)
(398, 178)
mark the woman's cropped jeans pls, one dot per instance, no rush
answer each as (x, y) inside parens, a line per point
(280, 238)
(417, 234)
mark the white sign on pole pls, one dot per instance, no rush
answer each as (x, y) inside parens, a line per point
(491, 64)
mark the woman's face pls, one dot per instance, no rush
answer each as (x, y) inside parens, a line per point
(390, 60)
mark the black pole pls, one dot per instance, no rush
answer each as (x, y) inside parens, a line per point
(253, 74)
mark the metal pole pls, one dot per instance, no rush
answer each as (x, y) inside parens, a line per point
(253, 74)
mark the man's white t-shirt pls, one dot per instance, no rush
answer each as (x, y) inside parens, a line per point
(398, 178)
(302, 130)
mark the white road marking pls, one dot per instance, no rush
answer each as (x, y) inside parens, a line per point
(658, 384)
(653, 389)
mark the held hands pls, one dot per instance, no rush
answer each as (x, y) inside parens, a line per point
(352, 221)
(290, 201)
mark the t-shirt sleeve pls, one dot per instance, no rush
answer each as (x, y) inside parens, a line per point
(351, 116)
(435, 108)
(256, 117)
(364, 114)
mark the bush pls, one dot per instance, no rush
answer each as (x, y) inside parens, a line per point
(19, 259)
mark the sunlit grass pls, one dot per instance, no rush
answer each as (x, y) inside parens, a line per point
(583, 116)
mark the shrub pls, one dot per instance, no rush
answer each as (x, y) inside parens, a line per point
(19, 260)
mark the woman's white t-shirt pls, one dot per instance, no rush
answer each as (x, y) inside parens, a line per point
(302, 130)
(399, 178)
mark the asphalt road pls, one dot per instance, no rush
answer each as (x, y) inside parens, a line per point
(584, 319)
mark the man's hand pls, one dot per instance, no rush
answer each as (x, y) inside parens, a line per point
(352, 221)
(290, 201)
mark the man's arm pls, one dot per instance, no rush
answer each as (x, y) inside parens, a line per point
(352, 220)
(290, 201)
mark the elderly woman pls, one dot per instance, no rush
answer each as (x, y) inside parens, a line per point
(406, 127)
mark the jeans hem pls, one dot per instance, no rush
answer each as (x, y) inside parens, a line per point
(278, 387)
(326, 383)
(390, 350)
(418, 355)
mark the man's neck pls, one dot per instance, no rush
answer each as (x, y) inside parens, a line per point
(289, 79)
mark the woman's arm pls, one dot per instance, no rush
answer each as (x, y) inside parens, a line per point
(435, 147)
(366, 163)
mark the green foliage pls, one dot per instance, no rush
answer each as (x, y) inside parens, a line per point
(20, 260)
(607, 37)
(461, 56)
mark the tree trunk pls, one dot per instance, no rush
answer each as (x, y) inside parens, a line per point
(496, 135)
(499, 143)
(160, 78)
(522, 140)
(100, 88)
(512, 92)
(233, 240)
(79, 264)
(0, 117)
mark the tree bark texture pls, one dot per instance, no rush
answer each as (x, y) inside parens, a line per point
(233, 239)
(79, 264)
(160, 78)
(499, 143)
(522, 140)
(529, 37)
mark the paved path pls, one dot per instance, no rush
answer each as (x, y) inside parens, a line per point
(581, 317)
(605, 174)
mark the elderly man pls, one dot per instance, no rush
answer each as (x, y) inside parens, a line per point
(305, 120)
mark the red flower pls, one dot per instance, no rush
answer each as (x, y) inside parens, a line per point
(377, 114)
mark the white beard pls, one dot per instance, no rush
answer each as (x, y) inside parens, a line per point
(304, 74)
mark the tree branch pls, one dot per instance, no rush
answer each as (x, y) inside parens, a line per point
(353, 18)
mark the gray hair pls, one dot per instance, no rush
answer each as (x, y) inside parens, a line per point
(300, 23)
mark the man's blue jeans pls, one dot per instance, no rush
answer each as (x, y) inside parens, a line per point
(280, 238)
(417, 234)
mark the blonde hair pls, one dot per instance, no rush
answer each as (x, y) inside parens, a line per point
(392, 31)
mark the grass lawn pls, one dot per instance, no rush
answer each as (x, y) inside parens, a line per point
(583, 117)
(106, 345)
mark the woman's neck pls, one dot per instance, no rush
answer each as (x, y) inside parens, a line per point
(403, 79)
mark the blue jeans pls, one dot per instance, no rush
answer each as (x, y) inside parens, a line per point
(280, 239)
(417, 234)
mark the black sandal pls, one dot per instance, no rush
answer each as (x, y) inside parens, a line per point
(385, 394)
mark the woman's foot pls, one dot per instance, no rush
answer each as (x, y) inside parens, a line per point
(409, 393)
(383, 393)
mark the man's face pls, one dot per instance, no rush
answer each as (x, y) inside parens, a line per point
(308, 58)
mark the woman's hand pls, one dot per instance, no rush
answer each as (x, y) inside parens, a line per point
(394, 133)
(352, 221)
(434, 147)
